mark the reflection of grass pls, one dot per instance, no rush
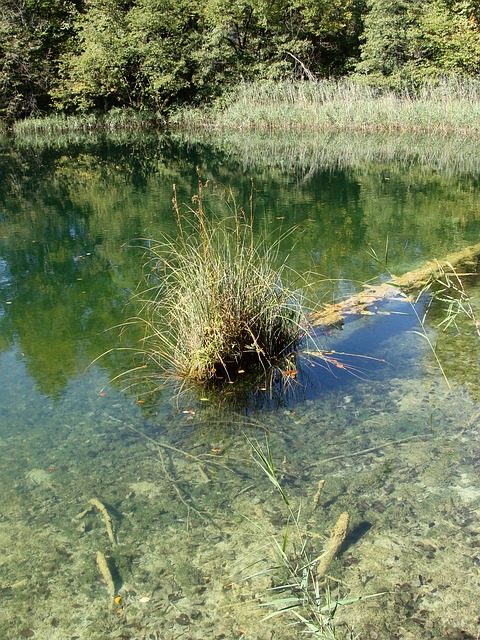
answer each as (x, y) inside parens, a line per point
(216, 305)
(304, 151)
(313, 151)
(449, 105)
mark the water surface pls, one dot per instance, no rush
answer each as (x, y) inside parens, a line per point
(194, 516)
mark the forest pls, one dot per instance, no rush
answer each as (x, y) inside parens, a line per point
(84, 56)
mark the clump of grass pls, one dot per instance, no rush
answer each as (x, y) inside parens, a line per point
(216, 304)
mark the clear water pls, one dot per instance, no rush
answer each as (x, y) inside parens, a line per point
(194, 517)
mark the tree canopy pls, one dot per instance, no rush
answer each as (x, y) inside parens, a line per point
(92, 55)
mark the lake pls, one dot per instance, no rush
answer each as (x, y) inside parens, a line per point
(168, 490)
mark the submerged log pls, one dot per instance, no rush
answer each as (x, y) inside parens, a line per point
(106, 574)
(337, 537)
(398, 288)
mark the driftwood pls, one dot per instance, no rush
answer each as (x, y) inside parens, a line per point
(337, 537)
(397, 289)
(106, 518)
(106, 574)
(316, 497)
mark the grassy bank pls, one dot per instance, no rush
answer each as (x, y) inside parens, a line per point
(59, 124)
(447, 106)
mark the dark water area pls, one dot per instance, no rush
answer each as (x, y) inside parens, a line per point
(393, 430)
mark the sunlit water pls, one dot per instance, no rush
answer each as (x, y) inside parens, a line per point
(194, 517)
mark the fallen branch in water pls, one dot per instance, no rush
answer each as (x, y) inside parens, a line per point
(397, 289)
(106, 517)
(337, 537)
(106, 574)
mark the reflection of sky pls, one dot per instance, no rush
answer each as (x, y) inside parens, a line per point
(4, 281)
(4, 272)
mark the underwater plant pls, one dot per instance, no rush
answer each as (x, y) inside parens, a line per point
(305, 594)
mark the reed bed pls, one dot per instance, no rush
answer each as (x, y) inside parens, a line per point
(58, 124)
(445, 106)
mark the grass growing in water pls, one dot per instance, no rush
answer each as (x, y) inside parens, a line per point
(305, 595)
(447, 288)
(216, 305)
(449, 104)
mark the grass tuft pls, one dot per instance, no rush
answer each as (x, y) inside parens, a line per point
(216, 305)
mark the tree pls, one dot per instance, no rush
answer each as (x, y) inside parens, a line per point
(135, 54)
(408, 41)
(450, 35)
(274, 39)
(92, 74)
(163, 38)
(391, 39)
(32, 35)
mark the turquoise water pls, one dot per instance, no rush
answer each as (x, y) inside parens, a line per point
(194, 517)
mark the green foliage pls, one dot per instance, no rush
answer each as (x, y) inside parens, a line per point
(32, 36)
(408, 41)
(280, 39)
(451, 39)
(95, 72)
(391, 38)
(95, 55)
(163, 37)
(138, 55)
(22, 71)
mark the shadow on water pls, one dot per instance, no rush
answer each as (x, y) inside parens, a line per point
(359, 352)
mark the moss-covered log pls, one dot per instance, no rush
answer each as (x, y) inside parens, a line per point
(366, 302)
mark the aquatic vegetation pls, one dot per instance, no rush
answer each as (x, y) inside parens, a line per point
(437, 282)
(216, 304)
(344, 104)
(446, 287)
(306, 593)
(57, 124)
